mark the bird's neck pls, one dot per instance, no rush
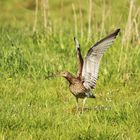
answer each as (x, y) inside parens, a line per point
(70, 78)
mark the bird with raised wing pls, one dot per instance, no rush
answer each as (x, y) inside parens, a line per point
(87, 74)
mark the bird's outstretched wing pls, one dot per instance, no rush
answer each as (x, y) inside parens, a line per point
(79, 58)
(93, 57)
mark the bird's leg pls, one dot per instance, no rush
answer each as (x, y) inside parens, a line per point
(77, 104)
(84, 100)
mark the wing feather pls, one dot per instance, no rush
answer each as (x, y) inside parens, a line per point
(79, 58)
(92, 60)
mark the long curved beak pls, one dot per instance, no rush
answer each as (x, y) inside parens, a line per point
(53, 75)
(60, 74)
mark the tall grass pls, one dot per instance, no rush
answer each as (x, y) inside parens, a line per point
(36, 16)
(32, 107)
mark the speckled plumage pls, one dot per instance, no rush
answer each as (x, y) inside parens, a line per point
(78, 89)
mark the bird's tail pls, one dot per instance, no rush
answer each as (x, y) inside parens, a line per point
(92, 96)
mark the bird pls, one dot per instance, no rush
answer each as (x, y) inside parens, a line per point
(84, 81)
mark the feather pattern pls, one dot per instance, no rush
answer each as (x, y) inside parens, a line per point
(92, 60)
(79, 58)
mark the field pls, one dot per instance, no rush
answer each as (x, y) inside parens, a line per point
(37, 42)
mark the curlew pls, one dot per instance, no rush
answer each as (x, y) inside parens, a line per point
(87, 74)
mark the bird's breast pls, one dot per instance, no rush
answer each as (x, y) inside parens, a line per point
(78, 89)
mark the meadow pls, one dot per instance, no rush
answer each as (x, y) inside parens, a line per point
(37, 41)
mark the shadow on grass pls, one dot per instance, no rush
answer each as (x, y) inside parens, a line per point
(87, 109)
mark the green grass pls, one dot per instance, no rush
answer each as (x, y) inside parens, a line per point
(32, 107)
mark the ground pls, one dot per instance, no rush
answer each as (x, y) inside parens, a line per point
(34, 107)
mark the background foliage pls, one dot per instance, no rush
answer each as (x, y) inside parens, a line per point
(37, 41)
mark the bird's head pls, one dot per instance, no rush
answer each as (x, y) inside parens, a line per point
(64, 74)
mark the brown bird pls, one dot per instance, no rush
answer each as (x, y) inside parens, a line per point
(85, 80)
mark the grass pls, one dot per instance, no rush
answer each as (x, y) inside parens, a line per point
(32, 107)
